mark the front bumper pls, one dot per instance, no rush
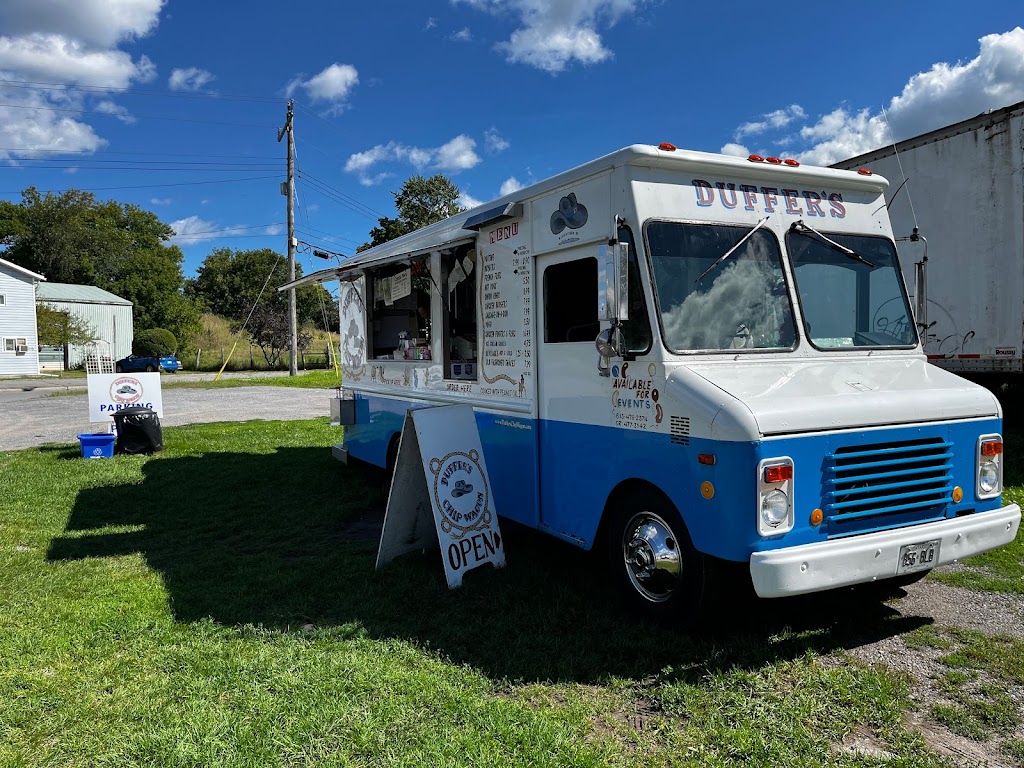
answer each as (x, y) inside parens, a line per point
(873, 556)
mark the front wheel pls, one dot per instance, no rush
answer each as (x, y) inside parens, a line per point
(150, 369)
(654, 563)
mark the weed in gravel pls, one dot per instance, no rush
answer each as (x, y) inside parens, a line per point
(1014, 748)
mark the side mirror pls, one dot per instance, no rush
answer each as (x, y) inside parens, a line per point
(605, 343)
(613, 283)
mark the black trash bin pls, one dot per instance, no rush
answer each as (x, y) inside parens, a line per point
(138, 431)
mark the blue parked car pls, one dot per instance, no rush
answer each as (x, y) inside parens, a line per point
(137, 364)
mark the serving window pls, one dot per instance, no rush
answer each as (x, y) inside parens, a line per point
(400, 317)
(459, 291)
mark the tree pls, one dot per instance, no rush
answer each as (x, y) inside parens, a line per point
(420, 201)
(154, 342)
(229, 284)
(71, 237)
(58, 328)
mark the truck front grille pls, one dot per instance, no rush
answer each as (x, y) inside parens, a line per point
(882, 485)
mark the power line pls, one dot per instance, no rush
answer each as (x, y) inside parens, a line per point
(332, 235)
(329, 239)
(338, 192)
(101, 89)
(149, 162)
(147, 154)
(135, 116)
(151, 186)
(356, 207)
(233, 229)
(85, 167)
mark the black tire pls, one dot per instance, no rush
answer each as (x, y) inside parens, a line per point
(119, 368)
(150, 369)
(653, 562)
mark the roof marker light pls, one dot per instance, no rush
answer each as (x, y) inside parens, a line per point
(755, 158)
(791, 162)
(667, 147)
(773, 160)
(865, 172)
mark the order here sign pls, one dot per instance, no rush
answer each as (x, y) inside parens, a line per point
(113, 392)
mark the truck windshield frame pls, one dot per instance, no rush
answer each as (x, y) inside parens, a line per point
(741, 306)
(846, 303)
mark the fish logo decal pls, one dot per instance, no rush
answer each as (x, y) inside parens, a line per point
(570, 213)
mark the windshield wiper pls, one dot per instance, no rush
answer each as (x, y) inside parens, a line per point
(803, 229)
(729, 253)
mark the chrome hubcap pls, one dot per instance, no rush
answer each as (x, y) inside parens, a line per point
(650, 552)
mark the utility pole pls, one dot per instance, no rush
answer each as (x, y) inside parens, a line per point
(293, 342)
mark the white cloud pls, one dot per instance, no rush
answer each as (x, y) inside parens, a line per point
(107, 107)
(193, 229)
(510, 185)
(468, 201)
(494, 141)
(780, 118)
(69, 42)
(431, 23)
(160, 201)
(944, 94)
(736, 150)
(331, 87)
(53, 58)
(464, 35)
(555, 33)
(189, 79)
(456, 155)
(30, 130)
(96, 23)
(274, 229)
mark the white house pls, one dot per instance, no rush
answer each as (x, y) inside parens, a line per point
(19, 344)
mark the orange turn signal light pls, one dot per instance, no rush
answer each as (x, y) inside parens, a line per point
(817, 516)
(992, 448)
(778, 474)
(707, 458)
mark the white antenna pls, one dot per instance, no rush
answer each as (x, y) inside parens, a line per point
(900, 163)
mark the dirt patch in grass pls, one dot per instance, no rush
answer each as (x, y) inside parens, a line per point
(967, 686)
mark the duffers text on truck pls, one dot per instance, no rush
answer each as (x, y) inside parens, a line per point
(700, 363)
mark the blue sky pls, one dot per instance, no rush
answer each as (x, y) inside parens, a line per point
(174, 105)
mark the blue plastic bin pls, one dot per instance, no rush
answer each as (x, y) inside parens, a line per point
(98, 446)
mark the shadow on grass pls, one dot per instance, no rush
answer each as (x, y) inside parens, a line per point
(265, 539)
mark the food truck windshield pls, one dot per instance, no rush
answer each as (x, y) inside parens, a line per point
(722, 288)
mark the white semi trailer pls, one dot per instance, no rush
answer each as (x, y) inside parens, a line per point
(965, 191)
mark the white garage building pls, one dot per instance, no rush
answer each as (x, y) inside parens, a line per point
(109, 317)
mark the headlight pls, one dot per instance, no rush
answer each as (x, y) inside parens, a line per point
(988, 477)
(774, 508)
(774, 496)
(989, 463)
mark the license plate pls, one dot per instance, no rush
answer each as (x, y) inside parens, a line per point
(918, 557)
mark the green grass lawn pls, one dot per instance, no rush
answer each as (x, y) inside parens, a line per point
(209, 607)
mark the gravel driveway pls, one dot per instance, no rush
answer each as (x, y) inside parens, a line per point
(28, 419)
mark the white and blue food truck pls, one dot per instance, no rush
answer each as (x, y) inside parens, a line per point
(758, 394)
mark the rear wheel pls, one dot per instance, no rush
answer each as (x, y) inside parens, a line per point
(654, 563)
(150, 369)
(119, 368)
